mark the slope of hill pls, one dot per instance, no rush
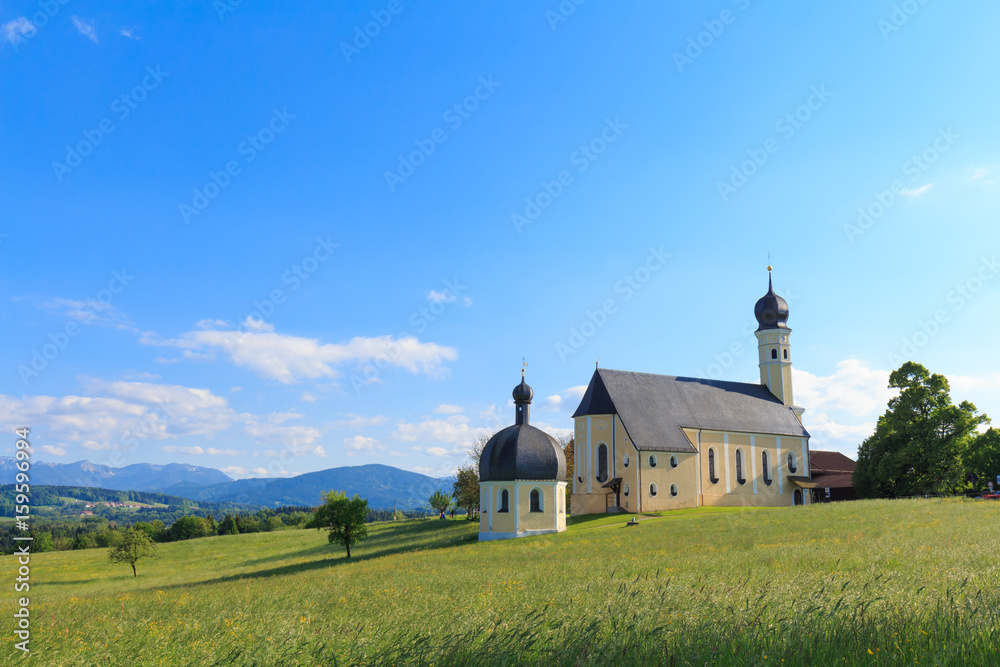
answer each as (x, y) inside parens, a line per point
(866, 583)
(382, 485)
(135, 477)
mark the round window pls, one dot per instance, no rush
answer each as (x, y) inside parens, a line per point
(673, 461)
(652, 489)
(652, 460)
(626, 488)
(673, 489)
(625, 460)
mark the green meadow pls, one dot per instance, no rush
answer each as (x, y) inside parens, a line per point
(864, 583)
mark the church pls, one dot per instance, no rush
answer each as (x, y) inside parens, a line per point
(646, 442)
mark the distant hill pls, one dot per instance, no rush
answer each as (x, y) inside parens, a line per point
(135, 477)
(380, 484)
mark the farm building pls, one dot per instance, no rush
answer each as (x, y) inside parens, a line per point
(649, 442)
(833, 474)
(522, 478)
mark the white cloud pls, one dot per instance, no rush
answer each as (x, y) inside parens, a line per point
(307, 397)
(568, 399)
(90, 311)
(176, 449)
(916, 192)
(52, 449)
(289, 359)
(980, 174)
(454, 430)
(354, 421)
(127, 415)
(362, 443)
(447, 296)
(447, 409)
(20, 27)
(128, 32)
(86, 28)
(853, 388)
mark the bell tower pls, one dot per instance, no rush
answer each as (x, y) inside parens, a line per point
(773, 347)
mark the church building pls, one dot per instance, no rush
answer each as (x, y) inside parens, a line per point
(522, 478)
(647, 442)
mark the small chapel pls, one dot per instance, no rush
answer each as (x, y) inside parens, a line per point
(522, 478)
(646, 442)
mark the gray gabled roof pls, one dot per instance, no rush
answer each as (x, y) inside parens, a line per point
(654, 408)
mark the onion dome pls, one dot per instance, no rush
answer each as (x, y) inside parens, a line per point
(771, 310)
(522, 393)
(521, 452)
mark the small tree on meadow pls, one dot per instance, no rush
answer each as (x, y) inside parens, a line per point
(344, 518)
(466, 489)
(134, 546)
(439, 501)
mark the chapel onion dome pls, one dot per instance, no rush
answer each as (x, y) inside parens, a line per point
(521, 451)
(522, 393)
(771, 310)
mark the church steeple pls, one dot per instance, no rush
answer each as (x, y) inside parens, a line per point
(773, 345)
(522, 401)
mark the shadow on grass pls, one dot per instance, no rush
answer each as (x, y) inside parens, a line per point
(403, 536)
(366, 553)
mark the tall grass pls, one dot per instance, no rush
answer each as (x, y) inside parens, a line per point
(893, 582)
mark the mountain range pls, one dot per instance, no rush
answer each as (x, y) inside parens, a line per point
(383, 486)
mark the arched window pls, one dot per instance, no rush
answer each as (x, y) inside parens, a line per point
(765, 461)
(504, 499)
(626, 489)
(740, 479)
(652, 489)
(625, 460)
(774, 354)
(792, 463)
(602, 463)
(673, 490)
(797, 497)
(536, 501)
(652, 460)
(785, 353)
(711, 467)
(673, 461)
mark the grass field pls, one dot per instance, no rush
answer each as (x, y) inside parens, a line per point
(865, 583)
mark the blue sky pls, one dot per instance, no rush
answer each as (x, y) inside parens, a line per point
(262, 240)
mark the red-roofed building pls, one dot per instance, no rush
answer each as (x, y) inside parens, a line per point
(833, 475)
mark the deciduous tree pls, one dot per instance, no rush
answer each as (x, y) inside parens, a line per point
(919, 443)
(466, 490)
(134, 546)
(343, 517)
(439, 501)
